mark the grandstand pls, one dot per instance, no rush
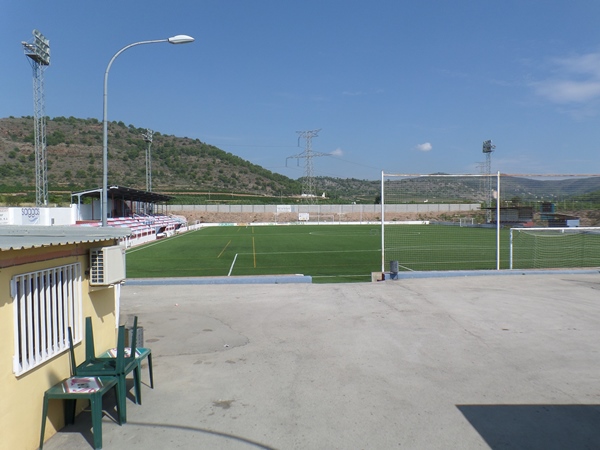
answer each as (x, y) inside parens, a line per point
(143, 212)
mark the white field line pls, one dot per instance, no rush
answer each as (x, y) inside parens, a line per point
(341, 276)
(232, 264)
(316, 251)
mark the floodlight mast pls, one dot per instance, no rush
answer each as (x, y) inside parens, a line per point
(178, 39)
(487, 149)
(148, 138)
(38, 53)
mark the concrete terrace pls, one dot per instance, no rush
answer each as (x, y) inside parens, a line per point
(433, 363)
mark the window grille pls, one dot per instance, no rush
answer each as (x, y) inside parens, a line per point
(46, 303)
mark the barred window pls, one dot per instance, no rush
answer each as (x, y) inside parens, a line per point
(46, 303)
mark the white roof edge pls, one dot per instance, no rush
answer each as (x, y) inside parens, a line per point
(14, 237)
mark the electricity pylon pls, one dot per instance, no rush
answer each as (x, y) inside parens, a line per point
(308, 182)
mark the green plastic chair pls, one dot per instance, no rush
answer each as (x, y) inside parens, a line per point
(135, 352)
(61, 392)
(118, 367)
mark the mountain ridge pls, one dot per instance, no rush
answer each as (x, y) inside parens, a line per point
(193, 168)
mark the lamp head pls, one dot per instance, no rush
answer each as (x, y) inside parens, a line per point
(180, 39)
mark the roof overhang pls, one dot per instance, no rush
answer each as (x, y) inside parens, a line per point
(17, 237)
(125, 193)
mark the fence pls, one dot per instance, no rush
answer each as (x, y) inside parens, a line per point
(361, 213)
(477, 236)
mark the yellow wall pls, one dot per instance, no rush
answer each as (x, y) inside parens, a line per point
(21, 397)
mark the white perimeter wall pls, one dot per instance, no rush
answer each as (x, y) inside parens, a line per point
(328, 209)
(33, 215)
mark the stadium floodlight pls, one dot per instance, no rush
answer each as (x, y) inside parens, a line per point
(39, 49)
(38, 52)
(178, 39)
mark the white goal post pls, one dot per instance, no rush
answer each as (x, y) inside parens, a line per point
(415, 197)
(466, 221)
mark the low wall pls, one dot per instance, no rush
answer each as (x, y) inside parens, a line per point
(329, 209)
(320, 213)
(36, 215)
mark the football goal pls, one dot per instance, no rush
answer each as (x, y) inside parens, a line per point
(489, 221)
(437, 222)
(554, 247)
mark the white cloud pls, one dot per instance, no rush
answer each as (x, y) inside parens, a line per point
(576, 80)
(337, 152)
(424, 147)
(567, 91)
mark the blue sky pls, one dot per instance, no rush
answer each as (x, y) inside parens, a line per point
(395, 85)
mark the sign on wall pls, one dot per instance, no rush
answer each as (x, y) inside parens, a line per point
(30, 216)
(4, 216)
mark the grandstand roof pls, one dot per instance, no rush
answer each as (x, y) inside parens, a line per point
(17, 237)
(126, 193)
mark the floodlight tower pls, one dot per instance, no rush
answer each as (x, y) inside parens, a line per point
(308, 183)
(482, 180)
(148, 138)
(488, 148)
(38, 52)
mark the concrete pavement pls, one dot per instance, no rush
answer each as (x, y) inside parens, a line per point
(435, 363)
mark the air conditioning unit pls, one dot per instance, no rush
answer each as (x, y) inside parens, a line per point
(107, 265)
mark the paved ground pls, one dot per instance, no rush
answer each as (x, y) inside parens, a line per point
(438, 363)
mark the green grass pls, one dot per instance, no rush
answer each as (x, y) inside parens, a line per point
(346, 253)
(550, 249)
(440, 247)
(327, 253)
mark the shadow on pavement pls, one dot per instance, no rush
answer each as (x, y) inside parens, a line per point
(536, 427)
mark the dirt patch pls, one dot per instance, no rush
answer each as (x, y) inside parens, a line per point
(214, 217)
(588, 218)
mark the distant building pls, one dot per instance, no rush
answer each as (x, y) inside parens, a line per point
(513, 215)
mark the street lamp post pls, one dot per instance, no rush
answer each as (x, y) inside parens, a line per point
(179, 39)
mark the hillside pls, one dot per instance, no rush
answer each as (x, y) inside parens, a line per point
(74, 155)
(450, 188)
(195, 172)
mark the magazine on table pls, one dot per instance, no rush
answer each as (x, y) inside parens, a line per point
(82, 384)
(113, 352)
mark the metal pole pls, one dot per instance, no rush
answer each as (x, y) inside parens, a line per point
(498, 222)
(382, 225)
(510, 256)
(105, 130)
(148, 138)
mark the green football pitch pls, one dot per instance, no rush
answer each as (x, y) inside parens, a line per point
(332, 253)
(350, 253)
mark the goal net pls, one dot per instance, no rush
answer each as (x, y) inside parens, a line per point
(554, 247)
(467, 221)
(464, 222)
(436, 222)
